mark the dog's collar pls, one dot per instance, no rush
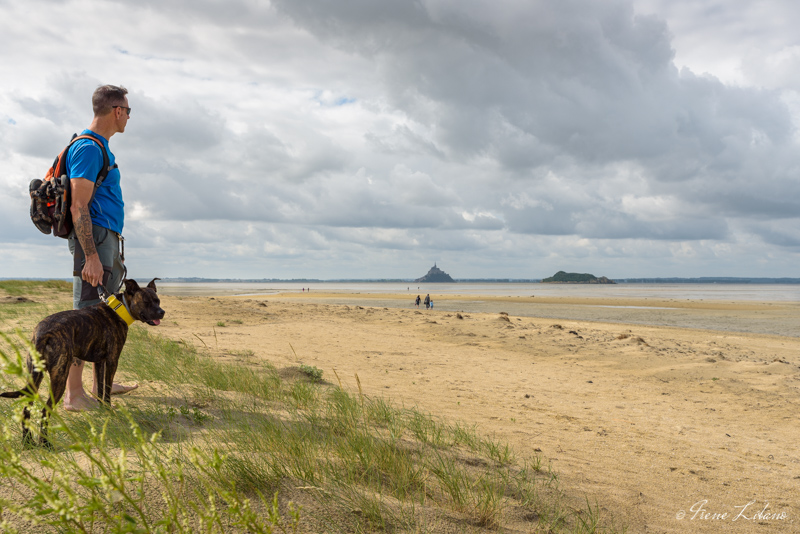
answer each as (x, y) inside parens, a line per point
(119, 307)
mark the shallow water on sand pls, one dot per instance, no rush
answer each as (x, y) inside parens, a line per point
(782, 318)
(731, 292)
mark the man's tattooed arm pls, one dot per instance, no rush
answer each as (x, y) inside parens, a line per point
(82, 190)
(83, 231)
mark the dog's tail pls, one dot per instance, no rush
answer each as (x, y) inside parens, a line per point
(12, 394)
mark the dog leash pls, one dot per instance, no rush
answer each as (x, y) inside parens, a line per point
(122, 256)
(112, 302)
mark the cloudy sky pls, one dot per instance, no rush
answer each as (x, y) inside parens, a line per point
(372, 138)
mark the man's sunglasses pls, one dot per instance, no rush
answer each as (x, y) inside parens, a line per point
(123, 107)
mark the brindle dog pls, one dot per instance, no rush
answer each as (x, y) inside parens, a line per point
(95, 334)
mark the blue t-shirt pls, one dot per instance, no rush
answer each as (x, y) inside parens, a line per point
(84, 160)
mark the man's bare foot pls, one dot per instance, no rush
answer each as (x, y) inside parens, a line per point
(117, 389)
(120, 389)
(80, 403)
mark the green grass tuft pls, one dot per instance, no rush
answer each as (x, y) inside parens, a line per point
(27, 287)
(313, 373)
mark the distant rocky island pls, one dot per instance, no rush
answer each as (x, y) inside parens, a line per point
(435, 275)
(576, 278)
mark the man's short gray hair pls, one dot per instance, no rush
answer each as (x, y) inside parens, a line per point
(106, 97)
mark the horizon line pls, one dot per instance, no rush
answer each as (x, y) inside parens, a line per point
(628, 279)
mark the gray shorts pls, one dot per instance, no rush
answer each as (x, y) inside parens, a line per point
(108, 248)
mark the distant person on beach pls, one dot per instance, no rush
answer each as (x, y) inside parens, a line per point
(427, 302)
(431, 303)
(98, 216)
(418, 301)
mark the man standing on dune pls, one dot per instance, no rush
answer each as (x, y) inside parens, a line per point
(98, 217)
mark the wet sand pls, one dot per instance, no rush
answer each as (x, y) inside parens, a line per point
(778, 318)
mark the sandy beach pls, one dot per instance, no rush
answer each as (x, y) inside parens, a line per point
(672, 416)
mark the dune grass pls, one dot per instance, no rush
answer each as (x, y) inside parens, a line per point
(27, 287)
(208, 446)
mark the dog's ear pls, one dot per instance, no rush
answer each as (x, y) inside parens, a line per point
(131, 286)
(152, 284)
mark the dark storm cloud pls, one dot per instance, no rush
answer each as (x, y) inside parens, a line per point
(527, 84)
(573, 74)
